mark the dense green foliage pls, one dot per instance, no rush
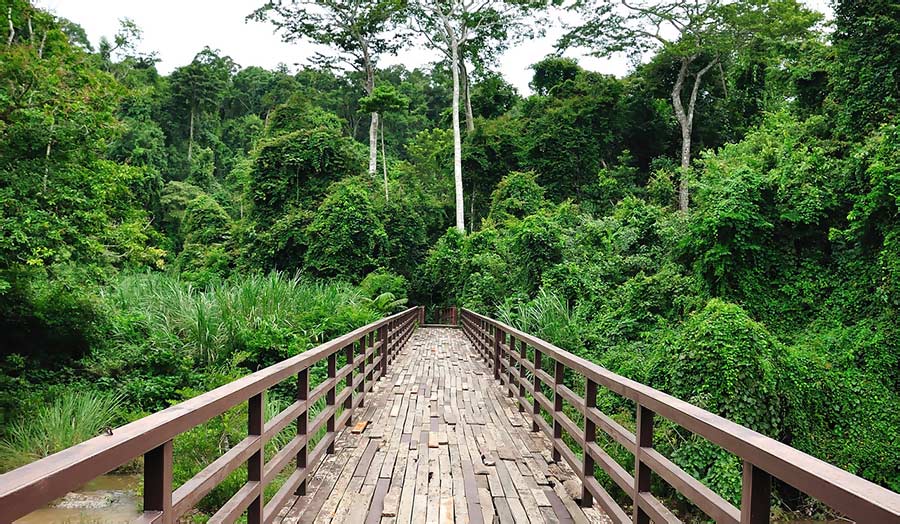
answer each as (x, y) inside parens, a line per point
(163, 235)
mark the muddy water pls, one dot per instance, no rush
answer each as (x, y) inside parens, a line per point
(110, 499)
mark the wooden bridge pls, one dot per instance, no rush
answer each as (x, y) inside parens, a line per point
(401, 422)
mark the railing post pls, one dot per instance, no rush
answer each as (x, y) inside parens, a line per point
(756, 495)
(590, 435)
(523, 356)
(302, 421)
(382, 337)
(497, 335)
(158, 481)
(349, 354)
(559, 371)
(642, 472)
(510, 372)
(255, 421)
(536, 406)
(329, 399)
(361, 369)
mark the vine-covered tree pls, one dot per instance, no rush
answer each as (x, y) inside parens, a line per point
(199, 87)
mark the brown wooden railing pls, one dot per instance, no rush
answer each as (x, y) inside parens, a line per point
(520, 362)
(367, 353)
(441, 316)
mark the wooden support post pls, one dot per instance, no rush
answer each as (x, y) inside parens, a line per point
(523, 356)
(382, 336)
(373, 338)
(158, 481)
(497, 335)
(536, 406)
(361, 369)
(590, 435)
(510, 370)
(558, 377)
(756, 495)
(255, 421)
(349, 354)
(302, 421)
(642, 472)
(330, 398)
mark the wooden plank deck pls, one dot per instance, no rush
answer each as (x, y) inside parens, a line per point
(442, 444)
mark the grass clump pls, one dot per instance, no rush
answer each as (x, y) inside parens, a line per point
(75, 416)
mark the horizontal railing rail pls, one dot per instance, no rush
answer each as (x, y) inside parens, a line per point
(506, 351)
(368, 353)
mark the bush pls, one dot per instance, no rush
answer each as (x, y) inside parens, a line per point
(383, 281)
(443, 273)
(345, 236)
(725, 364)
(517, 196)
(537, 244)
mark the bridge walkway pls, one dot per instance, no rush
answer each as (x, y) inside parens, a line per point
(439, 442)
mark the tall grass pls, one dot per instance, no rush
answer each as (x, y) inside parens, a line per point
(73, 417)
(212, 323)
(547, 316)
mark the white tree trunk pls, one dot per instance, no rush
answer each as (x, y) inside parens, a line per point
(457, 139)
(683, 194)
(373, 145)
(686, 121)
(384, 164)
(686, 124)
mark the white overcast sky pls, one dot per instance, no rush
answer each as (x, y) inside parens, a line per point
(177, 30)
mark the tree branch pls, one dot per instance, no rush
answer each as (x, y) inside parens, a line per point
(696, 88)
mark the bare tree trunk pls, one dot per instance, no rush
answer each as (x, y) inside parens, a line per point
(686, 121)
(373, 122)
(470, 118)
(384, 164)
(457, 139)
(191, 138)
(373, 144)
(12, 28)
(683, 196)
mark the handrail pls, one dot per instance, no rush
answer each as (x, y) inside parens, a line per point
(34, 485)
(764, 458)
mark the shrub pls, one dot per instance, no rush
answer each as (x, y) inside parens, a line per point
(345, 235)
(383, 281)
(537, 244)
(517, 196)
(725, 364)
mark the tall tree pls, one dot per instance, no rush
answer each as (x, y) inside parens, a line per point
(359, 30)
(702, 36)
(200, 86)
(449, 27)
